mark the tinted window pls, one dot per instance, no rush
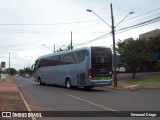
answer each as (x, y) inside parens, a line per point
(81, 55)
(49, 61)
(101, 51)
(68, 58)
(101, 55)
(101, 62)
(53, 61)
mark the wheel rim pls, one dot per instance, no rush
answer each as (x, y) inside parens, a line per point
(68, 84)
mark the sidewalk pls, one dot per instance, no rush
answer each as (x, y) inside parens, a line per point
(10, 98)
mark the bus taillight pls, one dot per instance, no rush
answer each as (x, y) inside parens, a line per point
(90, 74)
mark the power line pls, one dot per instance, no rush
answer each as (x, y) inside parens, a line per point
(44, 24)
(150, 4)
(40, 32)
(124, 29)
(141, 6)
(142, 14)
(100, 37)
(118, 31)
(142, 23)
(138, 18)
(23, 44)
(146, 18)
(105, 35)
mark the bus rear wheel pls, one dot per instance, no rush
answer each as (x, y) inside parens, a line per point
(88, 87)
(68, 83)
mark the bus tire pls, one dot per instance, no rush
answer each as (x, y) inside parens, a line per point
(88, 87)
(68, 83)
(40, 82)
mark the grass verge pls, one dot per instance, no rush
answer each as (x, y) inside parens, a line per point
(149, 81)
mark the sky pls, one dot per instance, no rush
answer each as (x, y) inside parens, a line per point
(30, 28)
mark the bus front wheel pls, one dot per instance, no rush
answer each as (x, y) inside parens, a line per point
(40, 82)
(68, 83)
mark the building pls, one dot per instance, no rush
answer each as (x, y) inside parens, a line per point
(3, 64)
(149, 34)
(155, 56)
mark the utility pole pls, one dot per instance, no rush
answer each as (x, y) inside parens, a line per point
(54, 48)
(9, 64)
(113, 34)
(71, 41)
(114, 49)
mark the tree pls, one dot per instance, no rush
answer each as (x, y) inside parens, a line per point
(32, 66)
(133, 53)
(12, 71)
(157, 66)
(60, 49)
(69, 48)
(26, 71)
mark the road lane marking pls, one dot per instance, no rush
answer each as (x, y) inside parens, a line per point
(106, 108)
(27, 105)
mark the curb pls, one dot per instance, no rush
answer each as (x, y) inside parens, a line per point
(126, 88)
(133, 87)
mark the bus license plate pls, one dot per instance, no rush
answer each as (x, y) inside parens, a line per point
(102, 78)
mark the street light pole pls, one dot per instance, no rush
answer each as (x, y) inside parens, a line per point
(114, 50)
(71, 41)
(9, 65)
(113, 35)
(47, 47)
(54, 48)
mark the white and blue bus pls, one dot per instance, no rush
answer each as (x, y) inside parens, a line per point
(85, 67)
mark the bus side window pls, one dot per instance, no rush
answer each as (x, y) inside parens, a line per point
(81, 55)
(68, 58)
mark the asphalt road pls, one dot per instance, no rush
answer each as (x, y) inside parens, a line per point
(53, 98)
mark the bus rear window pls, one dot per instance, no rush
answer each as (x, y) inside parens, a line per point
(101, 55)
(101, 59)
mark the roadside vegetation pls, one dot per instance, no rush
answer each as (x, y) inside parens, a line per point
(151, 81)
(133, 54)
